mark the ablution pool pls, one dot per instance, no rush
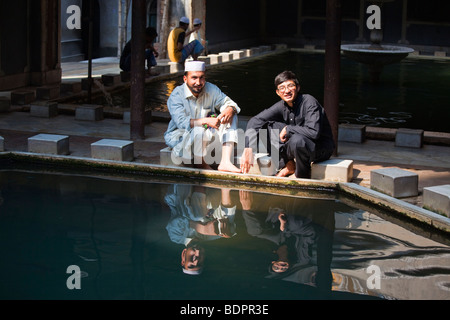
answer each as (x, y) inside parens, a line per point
(411, 94)
(125, 234)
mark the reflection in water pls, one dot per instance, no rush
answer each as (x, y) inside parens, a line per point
(132, 240)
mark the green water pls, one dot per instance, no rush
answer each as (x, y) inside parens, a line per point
(125, 236)
(411, 94)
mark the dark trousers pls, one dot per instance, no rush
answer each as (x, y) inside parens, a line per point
(304, 151)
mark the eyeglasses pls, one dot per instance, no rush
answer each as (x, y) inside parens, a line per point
(290, 86)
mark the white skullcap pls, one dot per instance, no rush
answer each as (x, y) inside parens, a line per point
(184, 20)
(194, 66)
(192, 272)
(197, 21)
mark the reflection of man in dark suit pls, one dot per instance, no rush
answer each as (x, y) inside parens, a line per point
(295, 226)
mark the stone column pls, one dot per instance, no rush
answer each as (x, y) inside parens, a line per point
(46, 65)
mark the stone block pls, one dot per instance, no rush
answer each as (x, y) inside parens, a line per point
(125, 76)
(265, 48)
(226, 56)
(2, 144)
(440, 54)
(165, 157)
(281, 46)
(237, 54)
(352, 133)
(410, 138)
(266, 166)
(44, 110)
(70, 87)
(147, 115)
(109, 149)
(49, 144)
(161, 69)
(255, 50)
(22, 97)
(437, 199)
(5, 104)
(110, 79)
(205, 59)
(176, 67)
(215, 58)
(395, 182)
(247, 53)
(89, 112)
(48, 92)
(338, 170)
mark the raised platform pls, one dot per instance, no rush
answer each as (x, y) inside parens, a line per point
(49, 144)
(110, 149)
(88, 112)
(395, 182)
(437, 199)
(333, 170)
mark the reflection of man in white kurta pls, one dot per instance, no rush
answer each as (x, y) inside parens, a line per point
(192, 129)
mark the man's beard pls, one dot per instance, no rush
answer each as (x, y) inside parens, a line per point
(196, 90)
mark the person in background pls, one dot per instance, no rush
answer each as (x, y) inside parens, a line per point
(196, 35)
(150, 52)
(178, 52)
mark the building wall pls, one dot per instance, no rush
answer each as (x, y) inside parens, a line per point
(29, 43)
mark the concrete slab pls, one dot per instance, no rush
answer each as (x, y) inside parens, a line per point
(48, 92)
(165, 157)
(22, 97)
(89, 112)
(338, 170)
(237, 54)
(226, 56)
(410, 138)
(437, 199)
(352, 133)
(49, 144)
(395, 182)
(176, 67)
(44, 109)
(5, 104)
(147, 116)
(215, 59)
(110, 79)
(205, 59)
(70, 87)
(110, 149)
(125, 76)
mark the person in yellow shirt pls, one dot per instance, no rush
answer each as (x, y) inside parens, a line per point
(178, 52)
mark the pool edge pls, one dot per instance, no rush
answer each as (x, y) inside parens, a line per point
(375, 198)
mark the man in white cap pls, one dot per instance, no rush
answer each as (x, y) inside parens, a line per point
(203, 118)
(178, 52)
(196, 35)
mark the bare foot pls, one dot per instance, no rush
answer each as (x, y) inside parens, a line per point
(288, 170)
(228, 167)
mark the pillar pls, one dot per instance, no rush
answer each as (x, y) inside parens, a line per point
(137, 79)
(332, 66)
